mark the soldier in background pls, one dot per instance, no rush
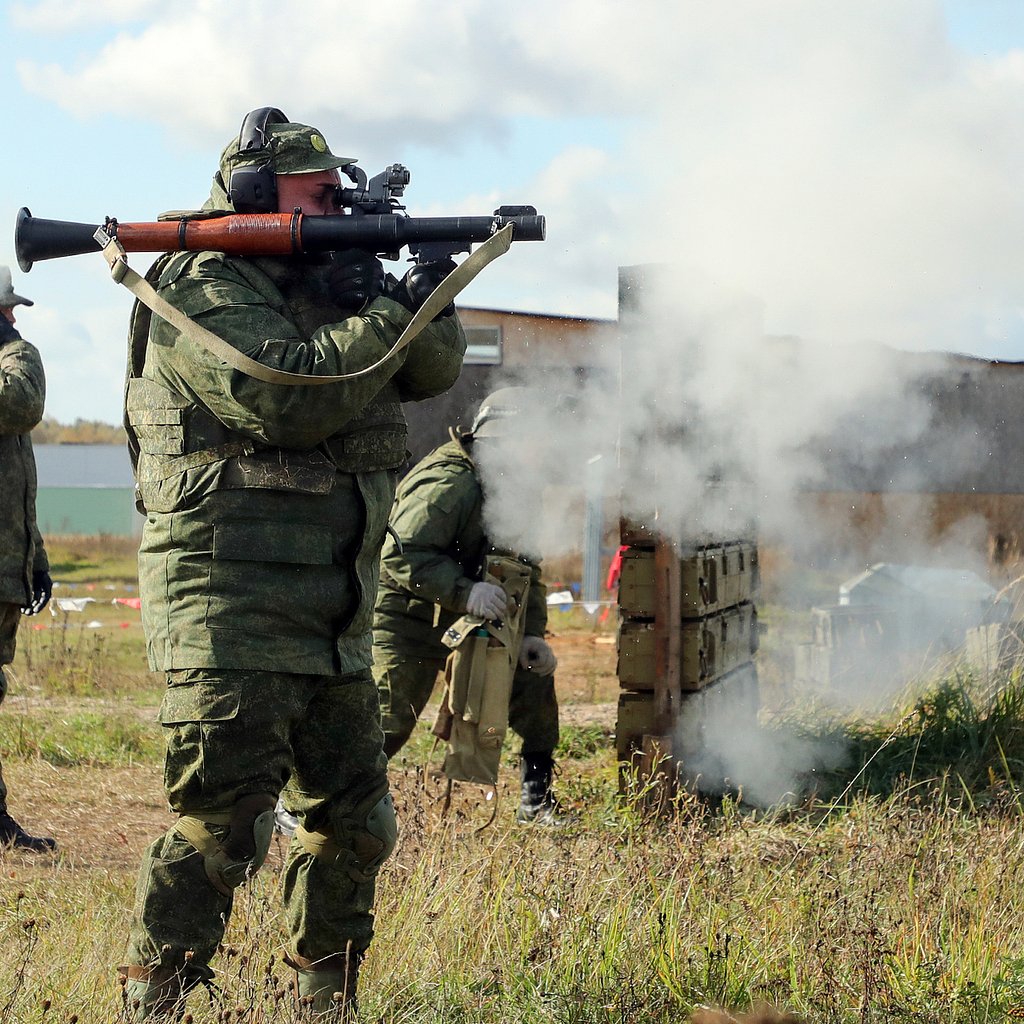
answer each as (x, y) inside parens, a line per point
(266, 507)
(25, 584)
(431, 574)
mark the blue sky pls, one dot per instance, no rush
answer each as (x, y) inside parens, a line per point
(852, 166)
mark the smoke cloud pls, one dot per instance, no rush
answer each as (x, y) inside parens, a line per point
(821, 212)
(711, 430)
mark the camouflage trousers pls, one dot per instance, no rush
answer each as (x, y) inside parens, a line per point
(406, 681)
(232, 734)
(10, 616)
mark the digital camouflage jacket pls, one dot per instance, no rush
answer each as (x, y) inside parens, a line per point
(22, 393)
(266, 503)
(438, 516)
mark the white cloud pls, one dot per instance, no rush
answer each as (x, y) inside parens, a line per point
(64, 16)
(433, 73)
(576, 193)
(842, 162)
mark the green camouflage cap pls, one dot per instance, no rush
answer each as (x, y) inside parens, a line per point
(299, 149)
(295, 148)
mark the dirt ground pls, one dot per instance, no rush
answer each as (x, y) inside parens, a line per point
(103, 818)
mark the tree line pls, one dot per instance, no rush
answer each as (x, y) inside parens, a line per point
(51, 431)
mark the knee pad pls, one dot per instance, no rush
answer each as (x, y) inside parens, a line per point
(240, 854)
(361, 842)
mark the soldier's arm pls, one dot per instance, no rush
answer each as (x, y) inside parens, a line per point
(216, 296)
(434, 361)
(40, 563)
(22, 388)
(431, 519)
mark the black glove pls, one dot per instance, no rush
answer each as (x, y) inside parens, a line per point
(355, 278)
(420, 280)
(42, 588)
(8, 332)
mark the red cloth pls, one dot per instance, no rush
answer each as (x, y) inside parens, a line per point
(615, 569)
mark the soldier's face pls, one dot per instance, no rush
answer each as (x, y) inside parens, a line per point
(312, 193)
(7, 312)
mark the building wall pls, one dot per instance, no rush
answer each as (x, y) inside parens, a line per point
(533, 346)
(859, 526)
(537, 340)
(953, 491)
(970, 433)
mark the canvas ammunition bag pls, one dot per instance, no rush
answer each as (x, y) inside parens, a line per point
(478, 678)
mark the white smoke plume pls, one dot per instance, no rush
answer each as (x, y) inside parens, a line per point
(821, 223)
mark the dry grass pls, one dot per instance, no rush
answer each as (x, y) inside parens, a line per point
(895, 901)
(93, 559)
(881, 912)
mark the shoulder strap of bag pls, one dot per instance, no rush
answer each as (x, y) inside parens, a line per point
(441, 296)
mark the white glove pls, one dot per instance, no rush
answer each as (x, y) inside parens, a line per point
(487, 600)
(537, 656)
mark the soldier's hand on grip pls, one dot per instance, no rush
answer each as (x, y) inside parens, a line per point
(536, 655)
(487, 600)
(420, 280)
(42, 588)
(355, 278)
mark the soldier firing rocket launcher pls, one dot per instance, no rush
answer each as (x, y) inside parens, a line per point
(375, 221)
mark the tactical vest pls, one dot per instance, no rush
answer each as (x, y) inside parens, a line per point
(180, 451)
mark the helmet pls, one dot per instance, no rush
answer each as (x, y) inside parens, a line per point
(8, 299)
(499, 408)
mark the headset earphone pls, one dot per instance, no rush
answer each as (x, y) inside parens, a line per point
(253, 187)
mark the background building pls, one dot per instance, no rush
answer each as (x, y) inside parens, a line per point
(961, 482)
(506, 347)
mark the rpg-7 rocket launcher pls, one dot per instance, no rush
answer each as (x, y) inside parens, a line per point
(375, 221)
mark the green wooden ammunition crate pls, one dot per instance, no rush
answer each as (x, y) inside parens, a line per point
(700, 576)
(732, 701)
(739, 579)
(636, 668)
(734, 698)
(715, 645)
(712, 579)
(635, 720)
(709, 648)
(636, 584)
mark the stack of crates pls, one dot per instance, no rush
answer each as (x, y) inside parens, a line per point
(718, 638)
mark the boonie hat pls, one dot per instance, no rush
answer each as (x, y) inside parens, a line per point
(8, 298)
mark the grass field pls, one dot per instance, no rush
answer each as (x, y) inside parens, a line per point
(890, 894)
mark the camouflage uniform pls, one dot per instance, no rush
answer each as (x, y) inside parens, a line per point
(423, 590)
(266, 506)
(22, 392)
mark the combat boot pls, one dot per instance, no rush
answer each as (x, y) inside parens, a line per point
(537, 804)
(325, 990)
(12, 834)
(155, 993)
